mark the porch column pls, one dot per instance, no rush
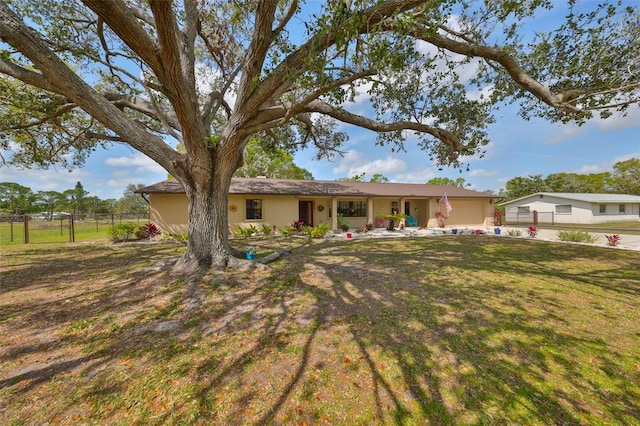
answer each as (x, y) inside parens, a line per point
(370, 218)
(334, 213)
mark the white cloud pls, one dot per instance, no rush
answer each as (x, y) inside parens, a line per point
(353, 163)
(567, 131)
(482, 173)
(606, 166)
(632, 119)
(140, 161)
(43, 180)
(415, 175)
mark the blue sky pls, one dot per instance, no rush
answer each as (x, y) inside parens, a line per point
(517, 148)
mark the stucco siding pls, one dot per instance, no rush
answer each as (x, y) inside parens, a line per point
(169, 211)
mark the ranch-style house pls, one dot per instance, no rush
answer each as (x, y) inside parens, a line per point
(280, 202)
(556, 207)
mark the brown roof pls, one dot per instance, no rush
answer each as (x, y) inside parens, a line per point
(265, 186)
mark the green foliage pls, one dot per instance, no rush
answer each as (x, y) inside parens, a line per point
(130, 202)
(577, 236)
(459, 182)
(625, 179)
(264, 159)
(122, 232)
(514, 233)
(247, 231)
(288, 231)
(319, 231)
(266, 229)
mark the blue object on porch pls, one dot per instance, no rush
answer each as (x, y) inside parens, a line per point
(411, 221)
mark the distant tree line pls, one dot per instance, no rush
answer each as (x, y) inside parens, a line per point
(624, 179)
(16, 199)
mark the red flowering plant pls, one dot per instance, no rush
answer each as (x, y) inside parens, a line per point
(532, 231)
(440, 218)
(497, 217)
(613, 240)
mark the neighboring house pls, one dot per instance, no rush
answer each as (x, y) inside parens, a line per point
(280, 202)
(557, 207)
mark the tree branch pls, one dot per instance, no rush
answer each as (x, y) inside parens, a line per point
(344, 116)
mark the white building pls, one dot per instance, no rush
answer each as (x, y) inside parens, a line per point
(556, 207)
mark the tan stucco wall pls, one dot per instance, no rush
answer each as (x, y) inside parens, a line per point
(169, 211)
(465, 212)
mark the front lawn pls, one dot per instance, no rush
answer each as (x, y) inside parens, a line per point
(440, 330)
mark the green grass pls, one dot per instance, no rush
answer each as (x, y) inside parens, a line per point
(55, 231)
(440, 330)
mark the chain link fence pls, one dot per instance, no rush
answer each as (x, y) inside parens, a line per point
(16, 229)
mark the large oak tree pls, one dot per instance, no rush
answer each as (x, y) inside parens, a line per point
(209, 74)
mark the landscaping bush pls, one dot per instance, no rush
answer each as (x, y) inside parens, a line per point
(147, 231)
(245, 232)
(613, 240)
(122, 232)
(577, 236)
(288, 231)
(514, 232)
(319, 231)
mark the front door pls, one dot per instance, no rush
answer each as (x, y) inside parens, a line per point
(305, 212)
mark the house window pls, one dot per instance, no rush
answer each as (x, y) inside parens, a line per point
(254, 208)
(603, 208)
(621, 208)
(352, 208)
(523, 209)
(563, 209)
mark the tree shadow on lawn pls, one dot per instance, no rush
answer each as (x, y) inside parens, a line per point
(471, 342)
(439, 330)
(55, 297)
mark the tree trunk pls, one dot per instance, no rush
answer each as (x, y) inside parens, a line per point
(208, 241)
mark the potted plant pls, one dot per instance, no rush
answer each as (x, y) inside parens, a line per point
(251, 252)
(496, 231)
(392, 219)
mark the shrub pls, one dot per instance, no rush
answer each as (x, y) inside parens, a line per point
(613, 240)
(147, 231)
(121, 232)
(319, 231)
(288, 231)
(245, 232)
(532, 231)
(576, 236)
(179, 237)
(266, 229)
(514, 232)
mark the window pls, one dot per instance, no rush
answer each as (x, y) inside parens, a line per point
(621, 208)
(254, 208)
(563, 209)
(603, 208)
(523, 209)
(352, 208)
